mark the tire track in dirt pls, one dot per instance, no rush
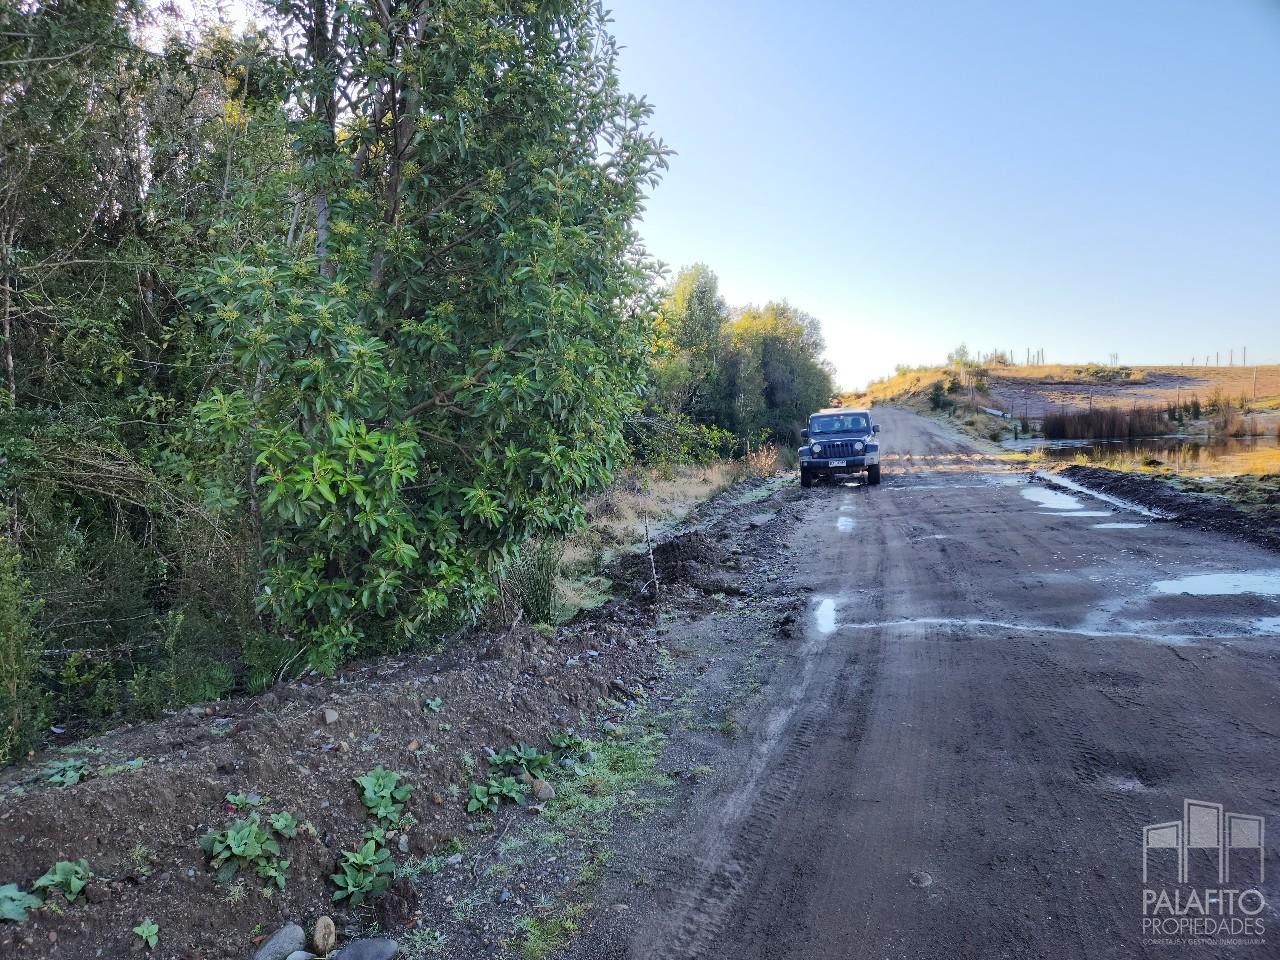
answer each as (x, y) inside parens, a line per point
(701, 897)
(971, 786)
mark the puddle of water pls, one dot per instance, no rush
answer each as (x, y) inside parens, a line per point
(1150, 632)
(1118, 526)
(1269, 626)
(1061, 481)
(1051, 498)
(844, 524)
(1125, 784)
(1265, 583)
(1076, 513)
(825, 616)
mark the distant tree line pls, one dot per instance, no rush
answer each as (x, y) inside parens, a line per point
(725, 378)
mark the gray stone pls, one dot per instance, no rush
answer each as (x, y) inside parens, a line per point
(288, 939)
(330, 716)
(301, 955)
(368, 950)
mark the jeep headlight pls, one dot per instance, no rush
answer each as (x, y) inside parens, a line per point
(815, 448)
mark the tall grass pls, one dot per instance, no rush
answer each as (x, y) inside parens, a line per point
(1106, 423)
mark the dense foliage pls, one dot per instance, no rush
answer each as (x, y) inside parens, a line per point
(730, 378)
(307, 331)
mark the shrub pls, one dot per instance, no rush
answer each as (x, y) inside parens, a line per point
(65, 773)
(938, 399)
(671, 439)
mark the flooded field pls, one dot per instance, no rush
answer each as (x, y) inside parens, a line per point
(1181, 454)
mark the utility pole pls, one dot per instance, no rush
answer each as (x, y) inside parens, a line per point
(1244, 356)
(1231, 361)
(1217, 359)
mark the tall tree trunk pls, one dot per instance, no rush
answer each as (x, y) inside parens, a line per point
(6, 324)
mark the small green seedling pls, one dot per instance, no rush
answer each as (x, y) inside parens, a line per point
(363, 873)
(14, 903)
(490, 796)
(148, 932)
(65, 773)
(245, 844)
(137, 763)
(242, 801)
(568, 744)
(432, 705)
(66, 877)
(285, 824)
(383, 794)
(524, 757)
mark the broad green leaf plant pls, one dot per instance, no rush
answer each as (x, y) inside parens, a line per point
(432, 361)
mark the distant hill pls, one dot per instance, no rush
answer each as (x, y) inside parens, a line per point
(1034, 390)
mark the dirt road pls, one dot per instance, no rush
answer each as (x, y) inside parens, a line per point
(976, 691)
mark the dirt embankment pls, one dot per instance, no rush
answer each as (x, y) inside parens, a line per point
(1202, 511)
(144, 796)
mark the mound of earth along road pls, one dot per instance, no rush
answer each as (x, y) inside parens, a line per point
(1203, 511)
(135, 803)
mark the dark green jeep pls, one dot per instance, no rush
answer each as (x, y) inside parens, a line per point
(842, 443)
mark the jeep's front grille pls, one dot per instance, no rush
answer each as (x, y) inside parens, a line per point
(841, 448)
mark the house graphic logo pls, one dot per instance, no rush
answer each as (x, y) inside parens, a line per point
(1219, 860)
(1207, 827)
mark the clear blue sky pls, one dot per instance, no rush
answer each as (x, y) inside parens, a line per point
(1089, 176)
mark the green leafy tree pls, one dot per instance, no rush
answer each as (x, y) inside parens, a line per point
(773, 375)
(435, 360)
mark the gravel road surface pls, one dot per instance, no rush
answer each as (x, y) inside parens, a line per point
(985, 688)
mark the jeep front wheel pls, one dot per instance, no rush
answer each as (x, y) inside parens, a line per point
(806, 480)
(873, 475)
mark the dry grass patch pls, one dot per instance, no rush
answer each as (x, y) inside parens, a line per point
(551, 581)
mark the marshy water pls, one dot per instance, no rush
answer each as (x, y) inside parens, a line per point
(1179, 452)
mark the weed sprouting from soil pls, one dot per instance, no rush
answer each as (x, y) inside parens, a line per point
(544, 936)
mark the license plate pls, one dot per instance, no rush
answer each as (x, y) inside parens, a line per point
(838, 463)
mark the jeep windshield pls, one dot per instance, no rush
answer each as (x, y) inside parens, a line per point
(840, 423)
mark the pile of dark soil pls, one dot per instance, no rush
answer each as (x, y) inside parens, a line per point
(1201, 511)
(150, 792)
